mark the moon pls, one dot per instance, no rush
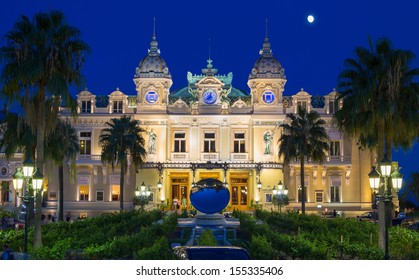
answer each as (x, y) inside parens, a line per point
(310, 19)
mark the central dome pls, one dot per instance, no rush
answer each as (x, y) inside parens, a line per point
(267, 66)
(153, 65)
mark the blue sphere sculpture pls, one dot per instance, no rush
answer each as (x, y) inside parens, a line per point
(209, 196)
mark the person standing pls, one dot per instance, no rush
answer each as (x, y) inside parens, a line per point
(7, 253)
(68, 218)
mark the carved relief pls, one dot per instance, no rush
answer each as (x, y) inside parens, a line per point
(315, 170)
(348, 174)
(104, 173)
(324, 171)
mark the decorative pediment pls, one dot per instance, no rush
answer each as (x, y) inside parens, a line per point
(116, 93)
(302, 94)
(239, 104)
(85, 94)
(180, 104)
(213, 81)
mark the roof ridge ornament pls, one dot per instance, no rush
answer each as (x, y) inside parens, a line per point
(154, 50)
(266, 49)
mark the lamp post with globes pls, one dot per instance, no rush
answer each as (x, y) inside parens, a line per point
(142, 193)
(33, 181)
(280, 195)
(386, 195)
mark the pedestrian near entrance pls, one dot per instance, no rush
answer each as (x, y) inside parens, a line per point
(7, 253)
(68, 218)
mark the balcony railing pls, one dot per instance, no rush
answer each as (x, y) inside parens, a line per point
(239, 156)
(338, 159)
(86, 159)
(329, 160)
(210, 156)
(179, 156)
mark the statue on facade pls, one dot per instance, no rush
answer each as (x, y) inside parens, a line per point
(151, 142)
(267, 138)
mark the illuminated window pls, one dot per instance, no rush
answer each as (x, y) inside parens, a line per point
(335, 189)
(117, 107)
(333, 106)
(6, 190)
(319, 196)
(239, 142)
(99, 196)
(85, 143)
(115, 192)
(180, 142)
(302, 104)
(86, 106)
(84, 193)
(209, 142)
(334, 148)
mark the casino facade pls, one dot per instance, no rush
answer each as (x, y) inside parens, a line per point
(207, 129)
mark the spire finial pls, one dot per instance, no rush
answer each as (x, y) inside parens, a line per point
(266, 28)
(209, 48)
(153, 44)
(154, 28)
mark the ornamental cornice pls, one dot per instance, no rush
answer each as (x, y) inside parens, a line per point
(202, 120)
(212, 165)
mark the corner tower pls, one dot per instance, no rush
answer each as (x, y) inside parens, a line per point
(152, 81)
(267, 81)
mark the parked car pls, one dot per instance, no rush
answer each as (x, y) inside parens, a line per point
(369, 216)
(211, 253)
(414, 226)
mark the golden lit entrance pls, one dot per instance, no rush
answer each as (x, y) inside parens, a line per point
(239, 193)
(179, 191)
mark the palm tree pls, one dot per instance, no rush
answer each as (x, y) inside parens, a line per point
(122, 138)
(380, 105)
(380, 98)
(17, 136)
(41, 59)
(411, 192)
(304, 137)
(62, 145)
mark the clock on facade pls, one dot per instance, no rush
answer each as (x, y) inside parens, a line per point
(268, 97)
(209, 97)
(151, 97)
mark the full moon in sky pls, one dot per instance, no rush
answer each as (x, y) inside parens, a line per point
(310, 19)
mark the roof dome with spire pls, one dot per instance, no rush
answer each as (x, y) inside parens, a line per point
(153, 65)
(267, 66)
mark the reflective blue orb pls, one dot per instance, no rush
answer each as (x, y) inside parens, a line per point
(209, 196)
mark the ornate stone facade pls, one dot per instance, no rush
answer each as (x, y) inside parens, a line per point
(210, 129)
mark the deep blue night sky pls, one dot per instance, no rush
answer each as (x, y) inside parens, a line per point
(119, 33)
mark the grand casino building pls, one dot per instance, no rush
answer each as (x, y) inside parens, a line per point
(207, 129)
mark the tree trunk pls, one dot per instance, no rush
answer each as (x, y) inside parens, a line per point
(61, 193)
(40, 139)
(38, 229)
(303, 191)
(385, 209)
(121, 188)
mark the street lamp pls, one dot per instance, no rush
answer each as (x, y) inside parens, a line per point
(386, 197)
(160, 169)
(280, 196)
(33, 181)
(142, 193)
(258, 169)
